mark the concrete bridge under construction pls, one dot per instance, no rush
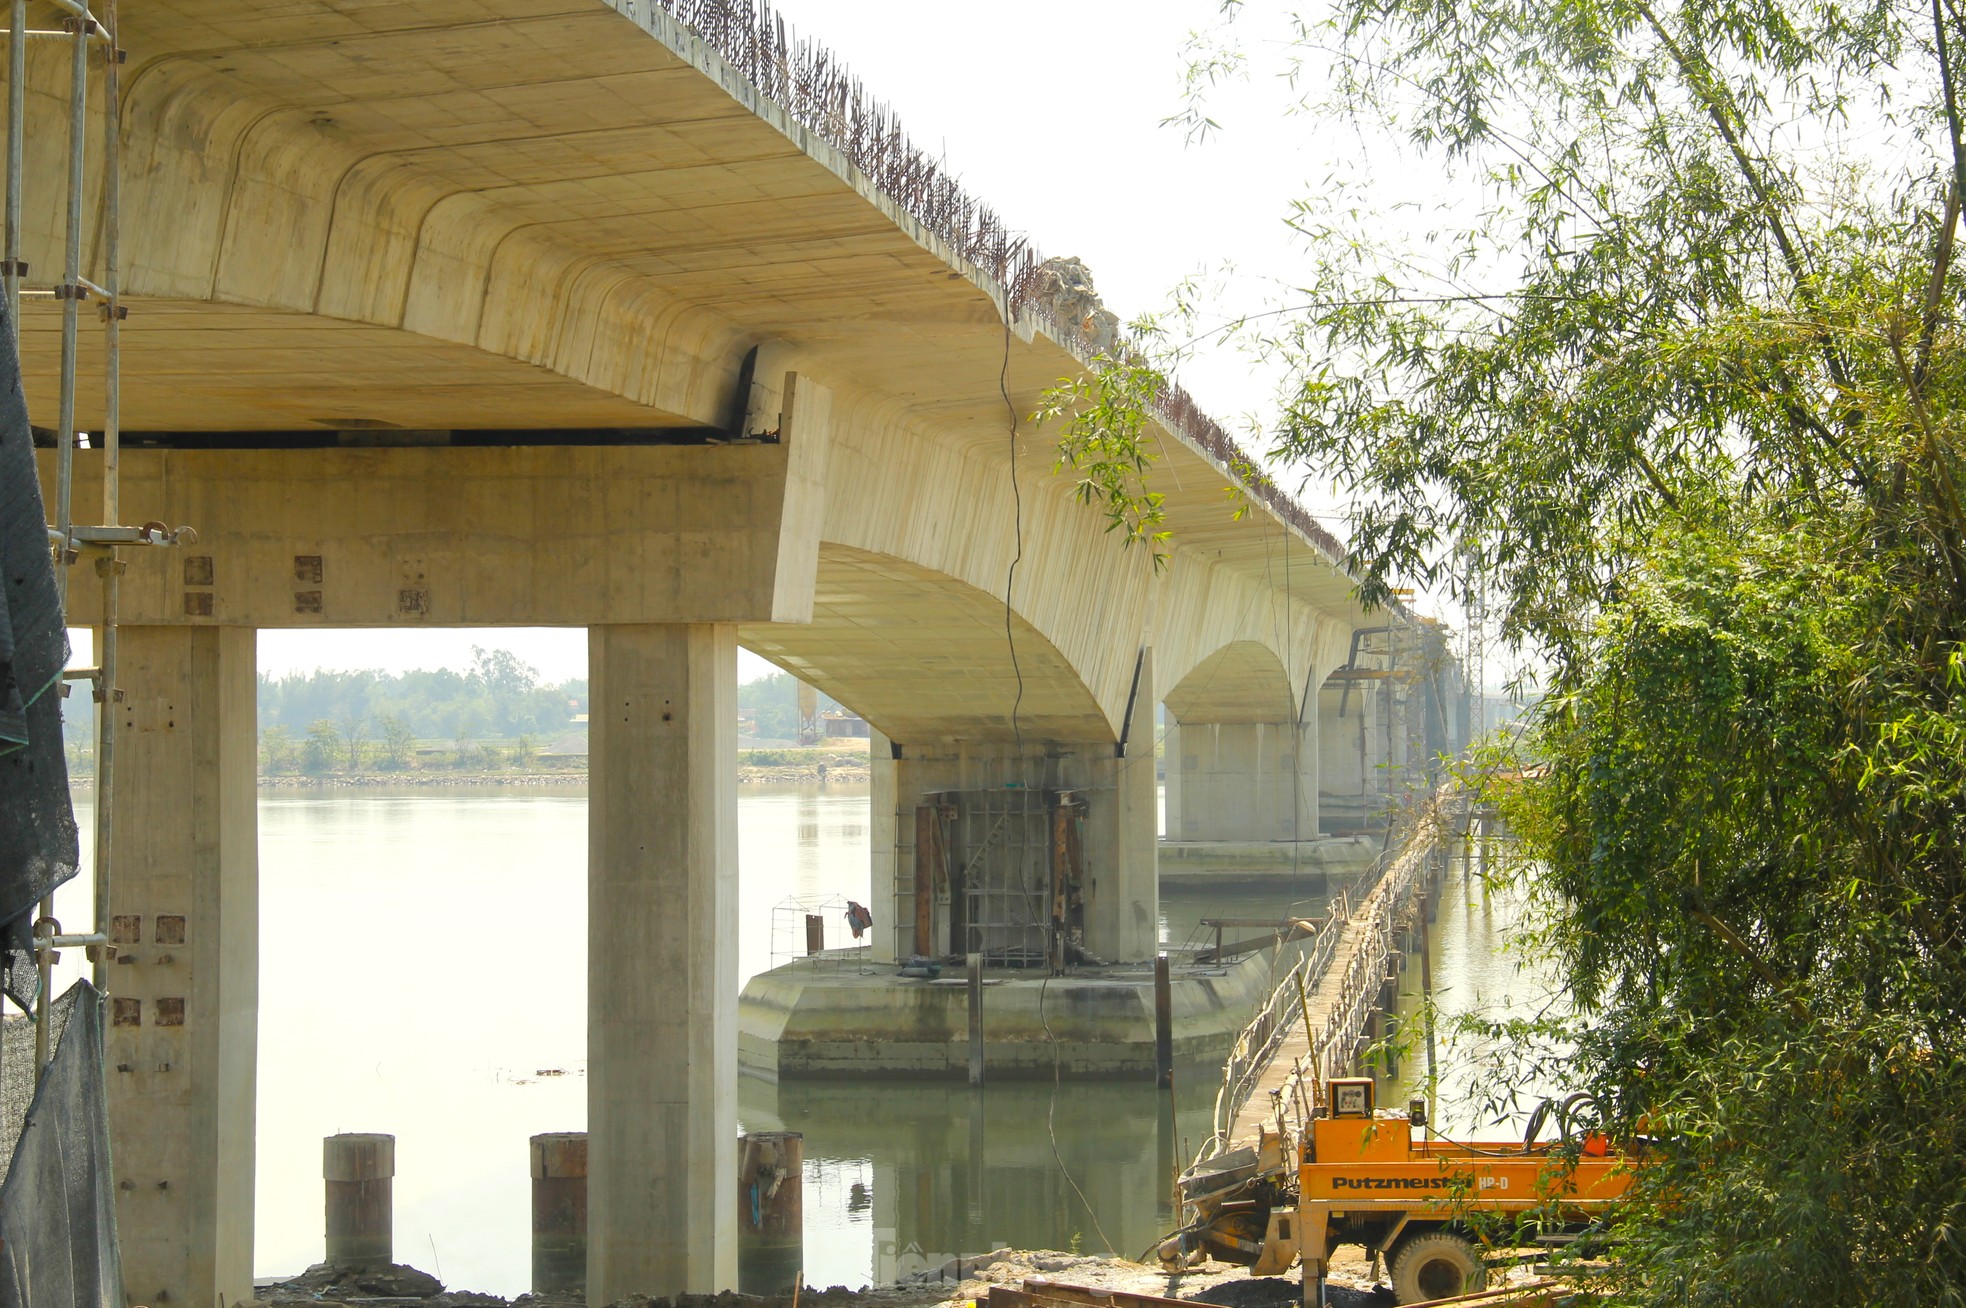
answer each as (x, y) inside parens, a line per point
(514, 313)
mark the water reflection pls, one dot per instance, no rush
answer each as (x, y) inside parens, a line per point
(1480, 966)
(929, 1172)
(423, 972)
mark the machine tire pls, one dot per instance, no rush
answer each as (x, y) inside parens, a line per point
(1437, 1265)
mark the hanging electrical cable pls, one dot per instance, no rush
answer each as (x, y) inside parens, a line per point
(1017, 737)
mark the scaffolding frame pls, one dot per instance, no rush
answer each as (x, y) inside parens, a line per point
(792, 919)
(71, 543)
(1016, 873)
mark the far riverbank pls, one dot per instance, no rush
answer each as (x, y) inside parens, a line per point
(849, 770)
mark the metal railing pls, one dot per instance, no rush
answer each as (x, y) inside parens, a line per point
(1332, 1045)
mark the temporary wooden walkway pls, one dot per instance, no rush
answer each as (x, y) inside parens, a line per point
(1316, 1021)
(1320, 1000)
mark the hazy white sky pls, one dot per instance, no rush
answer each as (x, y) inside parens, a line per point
(1050, 111)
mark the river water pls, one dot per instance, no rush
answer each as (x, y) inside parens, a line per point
(423, 973)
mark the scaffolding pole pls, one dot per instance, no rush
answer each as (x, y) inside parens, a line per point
(16, 135)
(108, 564)
(72, 542)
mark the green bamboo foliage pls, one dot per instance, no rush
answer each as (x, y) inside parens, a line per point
(1684, 392)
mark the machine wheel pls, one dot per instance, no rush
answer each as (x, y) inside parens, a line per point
(1437, 1265)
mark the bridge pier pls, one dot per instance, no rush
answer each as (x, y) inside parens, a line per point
(182, 1044)
(920, 787)
(1362, 745)
(1242, 781)
(662, 960)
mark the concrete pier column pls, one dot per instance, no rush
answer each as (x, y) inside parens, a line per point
(182, 1043)
(358, 1173)
(1352, 754)
(894, 912)
(559, 1212)
(770, 1211)
(662, 960)
(1242, 781)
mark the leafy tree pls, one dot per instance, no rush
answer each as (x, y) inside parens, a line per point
(501, 694)
(353, 723)
(322, 750)
(1104, 444)
(1685, 398)
(398, 741)
(276, 749)
(501, 672)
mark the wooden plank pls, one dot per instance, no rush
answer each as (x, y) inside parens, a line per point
(1002, 1296)
(1086, 1296)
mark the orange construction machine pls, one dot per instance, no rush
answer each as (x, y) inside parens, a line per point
(1365, 1177)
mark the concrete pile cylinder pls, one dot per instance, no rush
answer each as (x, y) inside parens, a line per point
(359, 1173)
(770, 1211)
(559, 1212)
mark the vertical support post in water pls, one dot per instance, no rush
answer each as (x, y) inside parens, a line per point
(976, 1019)
(559, 1212)
(1168, 1159)
(1427, 1006)
(815, 933)
(1436, 874)
(770, 1211)
(359, 1172)
(1163, 1025)
(928, 857)
(1059, 860)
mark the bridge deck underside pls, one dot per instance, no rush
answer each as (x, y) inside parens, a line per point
(923, 657)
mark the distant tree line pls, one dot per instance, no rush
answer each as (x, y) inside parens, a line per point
(497, 714)
(328, 721)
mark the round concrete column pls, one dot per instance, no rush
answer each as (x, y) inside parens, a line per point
(559, 1212)
(359, 1171)
(770, 1211)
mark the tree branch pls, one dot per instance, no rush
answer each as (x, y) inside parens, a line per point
(1942, 256)
(1720, 108)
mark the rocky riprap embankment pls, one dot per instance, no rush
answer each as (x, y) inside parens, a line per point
(957, 1284)
(401, 1286)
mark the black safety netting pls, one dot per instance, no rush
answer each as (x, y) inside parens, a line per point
(38, 846)
(57, 1205)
